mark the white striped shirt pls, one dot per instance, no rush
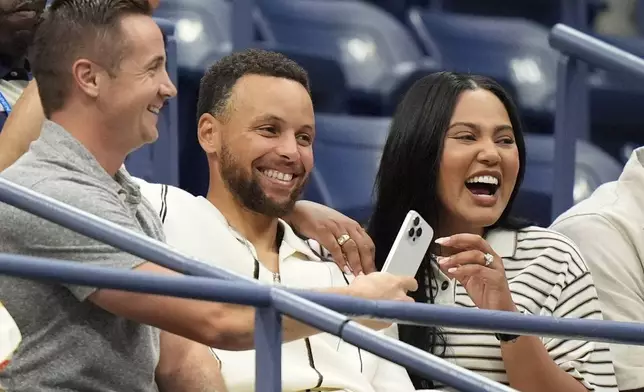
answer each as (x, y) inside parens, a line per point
(547, 277)
(322, 362)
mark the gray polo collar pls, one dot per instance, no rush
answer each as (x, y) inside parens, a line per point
(74, 156)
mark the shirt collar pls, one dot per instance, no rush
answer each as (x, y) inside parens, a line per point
(503, 241)
(71, 153)
(291, 242)
(634, 172)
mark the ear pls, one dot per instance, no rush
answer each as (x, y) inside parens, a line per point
(87, 76)
(209, 131)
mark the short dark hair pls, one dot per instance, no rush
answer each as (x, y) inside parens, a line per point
(217, 84)
(73, 29)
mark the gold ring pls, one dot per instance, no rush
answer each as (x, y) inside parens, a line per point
(343, 239)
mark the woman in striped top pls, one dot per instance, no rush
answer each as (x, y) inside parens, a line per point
(456, 154)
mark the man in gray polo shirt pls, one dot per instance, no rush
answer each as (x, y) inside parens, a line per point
(70, 343)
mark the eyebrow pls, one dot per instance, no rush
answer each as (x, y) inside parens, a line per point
(156, 61)
(498, 128)
(269, 117)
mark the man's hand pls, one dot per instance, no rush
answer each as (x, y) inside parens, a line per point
(327, 226)
(383, 286)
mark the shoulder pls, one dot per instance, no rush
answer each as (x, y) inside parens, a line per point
(553, 249)
(613, 202)
(166, 199)
(73, 188)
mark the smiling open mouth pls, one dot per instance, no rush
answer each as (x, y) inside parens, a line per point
(285, 178)
(483, 185)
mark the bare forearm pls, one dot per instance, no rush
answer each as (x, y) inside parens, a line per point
(191, 378)
(244, 318)
(22, 126)
(187, 366)
(530, 368)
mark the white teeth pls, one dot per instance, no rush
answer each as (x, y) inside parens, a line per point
(154, 110)
(278, 175)
(483, 180)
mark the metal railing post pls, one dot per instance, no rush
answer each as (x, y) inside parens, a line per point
(268, 350)
(570, 119)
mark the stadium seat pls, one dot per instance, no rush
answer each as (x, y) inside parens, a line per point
(514, 52)
(544, 12)
(379, 57)
(159, 161)
(203, 37)
(616, 103)
(202, 30)
(593, 167)
(348, 150)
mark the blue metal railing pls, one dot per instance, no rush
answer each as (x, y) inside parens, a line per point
(272, 301)
(572, 114)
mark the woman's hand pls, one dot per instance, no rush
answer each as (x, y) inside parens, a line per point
(327, 226)
(484, 280)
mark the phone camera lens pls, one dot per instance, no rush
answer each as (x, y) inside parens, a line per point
(419, 232)
(411, 232)
(416, 221)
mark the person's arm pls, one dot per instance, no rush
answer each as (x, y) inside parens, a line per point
(22, 126)
(220, 325)
(556, 364)
(326, 225)
(231, 326)
(617, 271)
(530, 364)
(187, 366)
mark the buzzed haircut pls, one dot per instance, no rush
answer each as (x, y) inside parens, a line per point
(75, 29)
(217, 83)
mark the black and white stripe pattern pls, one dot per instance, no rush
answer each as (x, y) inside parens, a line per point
(547, 277)
(163, 212)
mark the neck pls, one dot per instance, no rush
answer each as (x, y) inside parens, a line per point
(260, 230)
(82, 125)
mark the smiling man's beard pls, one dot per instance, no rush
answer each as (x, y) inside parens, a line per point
(248, 191)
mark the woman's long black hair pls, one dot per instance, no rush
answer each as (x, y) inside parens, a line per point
(407, 179)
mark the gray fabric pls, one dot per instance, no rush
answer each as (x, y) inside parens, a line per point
(69, 344)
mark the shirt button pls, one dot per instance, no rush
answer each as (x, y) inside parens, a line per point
(445, 286)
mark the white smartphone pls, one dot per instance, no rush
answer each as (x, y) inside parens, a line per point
(410, 246)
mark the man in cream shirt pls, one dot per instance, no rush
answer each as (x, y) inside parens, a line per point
(608, 228)
(257, 129)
